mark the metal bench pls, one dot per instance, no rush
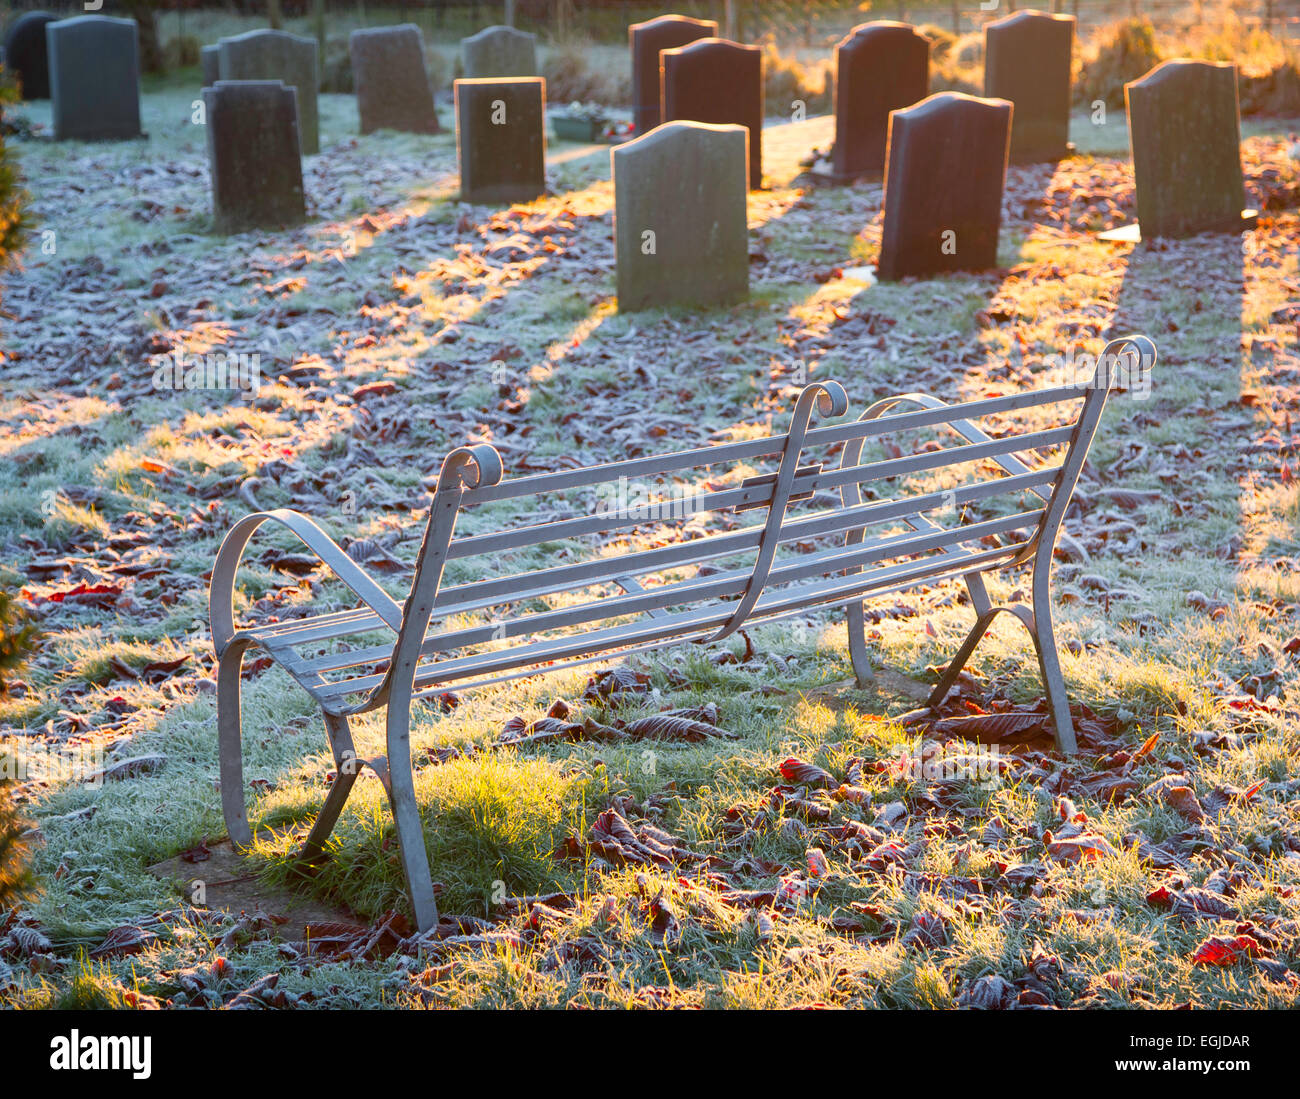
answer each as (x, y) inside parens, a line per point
(825, 527)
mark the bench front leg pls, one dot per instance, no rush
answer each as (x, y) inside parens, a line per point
(400, 784)
(228, 743)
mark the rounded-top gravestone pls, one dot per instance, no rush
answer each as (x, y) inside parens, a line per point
(501, 139)
(946, 169)
(720, 82)
(879, 67)
(680, 225)
(25, 53)
(498, 52)
(1027, 58)
(1185, 133)
(278, 55)
(646, 40)
(94, 78)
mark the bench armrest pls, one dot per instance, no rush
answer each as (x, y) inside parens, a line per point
(221, 610)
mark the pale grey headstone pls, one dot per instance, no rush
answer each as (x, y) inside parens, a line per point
(681, 232)
(94, 77)
(501, 139)
(210, 60)
(392, 84)
(253, 155)
(1185, 133)
(278, 55)
(497, 52)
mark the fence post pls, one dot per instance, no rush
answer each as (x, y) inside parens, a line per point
(956, 17)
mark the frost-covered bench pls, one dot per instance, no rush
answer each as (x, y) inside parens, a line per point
(512, 596)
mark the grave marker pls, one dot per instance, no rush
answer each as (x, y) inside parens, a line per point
(680, 225)
(1027, 58)
(879, 67)
(26, 55)
(392, 84)
(497, 52)
(947, 164)
(645, 41)
(719, 82)
(277, 55)
(501, 139)
(253, 155)
(94, 78)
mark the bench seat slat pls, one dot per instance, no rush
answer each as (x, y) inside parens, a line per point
(324, 627)
(710, 589)
(698, 621)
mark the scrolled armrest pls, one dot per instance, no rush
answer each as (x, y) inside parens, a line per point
(221, 611)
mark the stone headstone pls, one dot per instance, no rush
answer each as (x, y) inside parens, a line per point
(1185, 133)
(680, 230)
(392, 84)
(1027, 60)
(253, 155)
(720, 82)
(210, 61)
(946, 167)
(94, 78)
(278, 55)
(498, 52)
(25, 54)
(879, 67)
(645, 40)
(501, 139)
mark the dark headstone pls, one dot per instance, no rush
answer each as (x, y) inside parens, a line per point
(1027, 60)
(498, 52)
(278, 55)
(210, 62)
(879, 67)
(253, 155)
(944, 175)
(26, 55)
(680, 225)
(1185, 134)
(501, 139)
(717, 81)
(393, 90)
(94, 78)
(645, 40)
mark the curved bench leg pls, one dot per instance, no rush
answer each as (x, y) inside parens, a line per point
(228, 741)
(955, 665)
(346, 769)
(1050, 667)
(400, 784)
(857, 626)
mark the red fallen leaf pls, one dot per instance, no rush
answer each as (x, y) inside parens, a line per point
(798, 770)
(1223, 951)
(158, 670)
(1081, 848)
(90, 594)
(1161, 897)
(199, 853)
(991, 727)
(1254, 789)
(1147, 747)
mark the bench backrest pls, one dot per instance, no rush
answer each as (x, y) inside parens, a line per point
(558, 568)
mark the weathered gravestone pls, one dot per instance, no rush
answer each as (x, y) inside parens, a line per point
(392, 84)
(26, 56)
(253, 155)
(944, 176)
(278, 55)
(680, 230)
(498, 52)
(501, 139)
(879, 67)
(720, 82)
(94, 78)
(1185, 134)
(646, 40)
(1027, 61)
(210, 62)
